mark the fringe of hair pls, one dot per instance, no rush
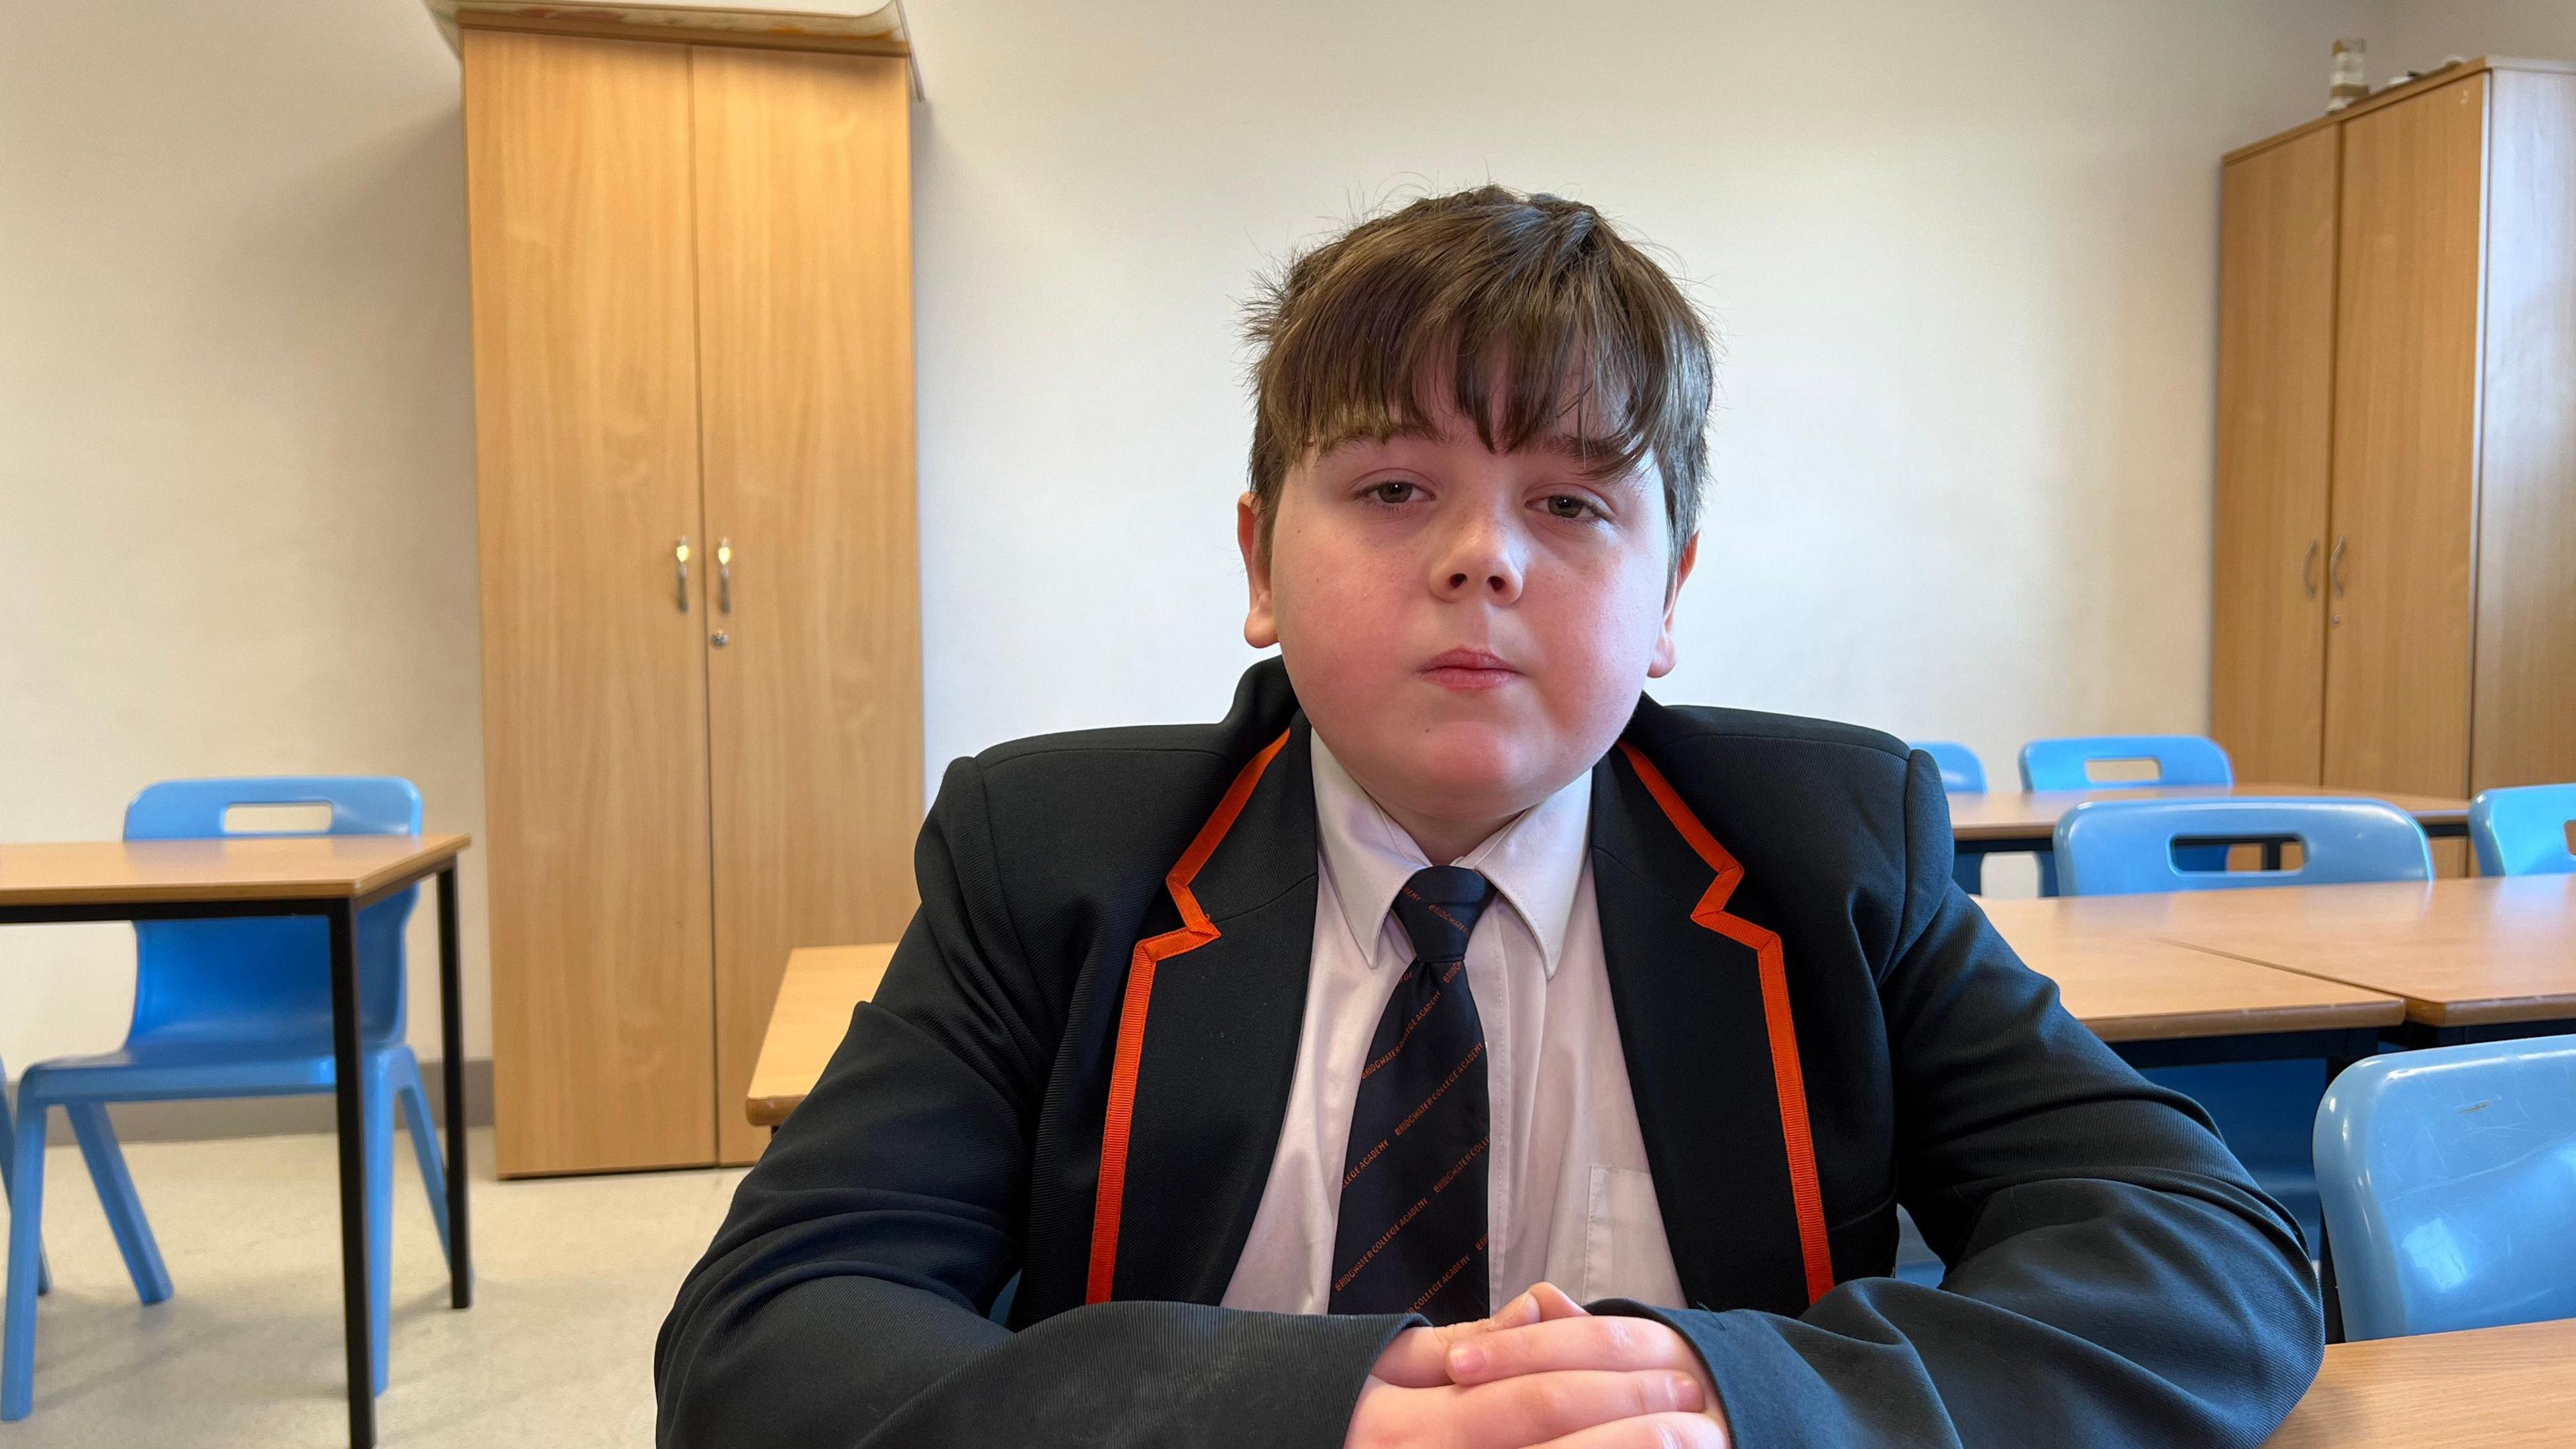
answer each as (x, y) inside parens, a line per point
(1533, 312)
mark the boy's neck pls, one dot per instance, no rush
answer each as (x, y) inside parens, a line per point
(1442, 841)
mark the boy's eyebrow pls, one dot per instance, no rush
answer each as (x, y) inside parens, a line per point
(1572, 447)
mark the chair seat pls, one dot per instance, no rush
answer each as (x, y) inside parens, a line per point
(149, 1069)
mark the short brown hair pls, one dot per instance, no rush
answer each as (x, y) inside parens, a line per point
(1531, 306)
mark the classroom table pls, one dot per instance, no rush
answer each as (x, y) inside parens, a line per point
(2163, 1004)
(1999, 821)
(823, 985)
(2157, 1003)
(2473, 960)
(2497, 1388)
(329, 876)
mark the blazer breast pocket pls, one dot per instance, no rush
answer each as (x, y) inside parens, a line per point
(1622, 1231)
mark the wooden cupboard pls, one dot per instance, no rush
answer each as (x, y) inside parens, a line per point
(692, 292)
(2395, 560)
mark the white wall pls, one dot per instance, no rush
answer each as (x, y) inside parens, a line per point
(1963, 257)
(2420, 32)
(236, 439)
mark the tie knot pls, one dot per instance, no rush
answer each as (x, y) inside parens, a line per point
(1438, 908)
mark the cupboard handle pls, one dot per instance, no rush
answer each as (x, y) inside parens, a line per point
(680, 559)
(724, 576)
(2334, 566)
(2308, 570)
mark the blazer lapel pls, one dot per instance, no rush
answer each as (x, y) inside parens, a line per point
(1712, 1056)
(1213, 1049)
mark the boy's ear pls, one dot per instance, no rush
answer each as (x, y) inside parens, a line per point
(1260, 628)
(1664, 657)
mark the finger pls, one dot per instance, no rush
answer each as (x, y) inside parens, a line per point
(1418, 1358)
(1650, 1431)
(1553, 1302)
(1569, 1343)
(1534, 1408)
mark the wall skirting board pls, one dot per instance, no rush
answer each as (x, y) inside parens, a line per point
(263, 1116)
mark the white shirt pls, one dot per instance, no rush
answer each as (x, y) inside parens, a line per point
(1568, 1197)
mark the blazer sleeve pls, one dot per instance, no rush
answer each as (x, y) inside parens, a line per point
(843, 1302)
(2115, 1277)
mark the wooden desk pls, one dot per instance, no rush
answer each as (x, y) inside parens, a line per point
(2128, 985)
(823, 985)
(2464, 953)
(329, 876)
(2497, 1388)
(2016, 820)
(2162, 1004)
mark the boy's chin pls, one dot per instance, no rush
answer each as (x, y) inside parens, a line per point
(1466, 771)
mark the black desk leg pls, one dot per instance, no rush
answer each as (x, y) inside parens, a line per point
(451, 1030)
(349, 1090)
(2326, 1281)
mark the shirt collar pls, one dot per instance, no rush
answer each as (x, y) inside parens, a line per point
(1535, 862)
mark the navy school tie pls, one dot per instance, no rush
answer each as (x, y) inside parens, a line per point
(1410, 1237)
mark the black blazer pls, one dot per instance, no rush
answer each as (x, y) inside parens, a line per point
(1076, 1069)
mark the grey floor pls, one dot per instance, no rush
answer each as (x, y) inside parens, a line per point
(572, 1278)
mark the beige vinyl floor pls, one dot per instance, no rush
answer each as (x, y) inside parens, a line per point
(572, 1278)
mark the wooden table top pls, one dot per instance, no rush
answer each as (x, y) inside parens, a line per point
(2032, 815)
(2462, 952)
(2128, 985)
(236, 868)
(823, 985)
(2497, 1388)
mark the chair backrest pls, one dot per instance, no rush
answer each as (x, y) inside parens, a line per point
(2449, 1182)
(2179, 759)
(2123, 847)
(1961, 770)
(2524, 830)
(261, 978)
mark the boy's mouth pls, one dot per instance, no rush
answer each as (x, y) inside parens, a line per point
(1469, 669)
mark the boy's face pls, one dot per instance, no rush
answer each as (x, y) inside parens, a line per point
(1468, 630)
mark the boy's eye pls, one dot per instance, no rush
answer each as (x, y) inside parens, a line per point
(1570, 507)
(1393, 490)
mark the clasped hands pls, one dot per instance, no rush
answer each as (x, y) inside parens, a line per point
(1541, 1372)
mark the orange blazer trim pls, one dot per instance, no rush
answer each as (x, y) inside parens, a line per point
(1195, 930)
(1786, 1077)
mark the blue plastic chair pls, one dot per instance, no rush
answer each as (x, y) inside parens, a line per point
(232, 1008)
(2126, 847)
(2449, 1178)
(1962, 773)
(2064, 764)
(9, 1173)
(2523, 831)
(2265, 1110)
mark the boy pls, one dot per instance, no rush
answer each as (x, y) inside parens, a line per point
(1311, 1068)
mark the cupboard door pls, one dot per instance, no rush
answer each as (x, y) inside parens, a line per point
(805, 366)
(594, 679)
(2406, 392)
(2275, 425)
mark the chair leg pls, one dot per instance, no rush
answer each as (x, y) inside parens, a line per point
(414, 1097)
(378, 1156)
(26, 1212)
(116, 1194)
(8, 1170)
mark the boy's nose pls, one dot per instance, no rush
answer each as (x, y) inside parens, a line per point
(1482, 556)
(1487, 565)
(1501, 584)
